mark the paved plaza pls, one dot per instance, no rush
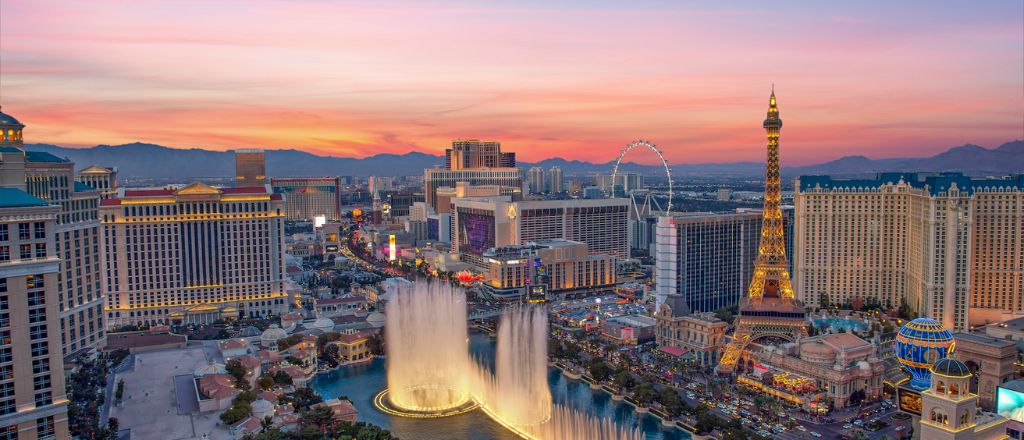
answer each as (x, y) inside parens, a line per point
(152, 407)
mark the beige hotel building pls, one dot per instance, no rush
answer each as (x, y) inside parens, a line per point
(948, 245)
(33, 403)
(193, 255)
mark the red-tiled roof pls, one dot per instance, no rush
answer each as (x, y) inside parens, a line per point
(674, 351)
(148, 192)
(343, 300)
(244, 190)
(347, 338)
(232, 344)
(249, 362)
(302, 179)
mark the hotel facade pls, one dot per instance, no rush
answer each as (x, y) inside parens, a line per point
(947, 245)
(481, 223)
(76, 238)
(567, 265)
(708, 258)
(194, 255)
(305, 198)
(33, 403)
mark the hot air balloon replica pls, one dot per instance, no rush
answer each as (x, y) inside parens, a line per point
(919, 345)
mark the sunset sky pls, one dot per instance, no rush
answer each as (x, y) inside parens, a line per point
(571, 79)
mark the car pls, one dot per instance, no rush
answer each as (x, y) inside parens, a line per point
(815, 434)
(847, 426)
(801, 427)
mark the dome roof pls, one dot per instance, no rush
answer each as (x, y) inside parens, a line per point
(324, 324)
(817, 350)
(273, 333)
(951, 368)
(376, 319)
(262, 405)
(6, 119)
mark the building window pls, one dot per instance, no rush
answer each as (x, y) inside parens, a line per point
(45, 427)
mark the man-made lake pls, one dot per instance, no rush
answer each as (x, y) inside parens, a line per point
(361, 382)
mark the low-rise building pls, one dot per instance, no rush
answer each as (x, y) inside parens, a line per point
(838, 368)
(631, 329)
(346, 305)
(567, 266)
(353, 346)
(701, 335)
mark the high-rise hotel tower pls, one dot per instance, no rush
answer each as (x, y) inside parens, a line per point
(947, 245)
(194, 255)
(33, 403)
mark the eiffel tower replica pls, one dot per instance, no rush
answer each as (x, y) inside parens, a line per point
(769, 311)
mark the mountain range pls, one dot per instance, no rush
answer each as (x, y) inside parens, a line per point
(149, 161)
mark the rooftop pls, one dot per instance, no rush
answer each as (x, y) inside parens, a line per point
(6, 119)
(935, 183)
(16, 198)
(844, 341)
(982, 339)
(81, 187)
(42, 156)
(635, 320)
(1014, 385)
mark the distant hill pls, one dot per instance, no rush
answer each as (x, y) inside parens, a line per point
(146, 161)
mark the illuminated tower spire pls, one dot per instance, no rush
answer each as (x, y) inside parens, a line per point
(771, 270)
(769, 313)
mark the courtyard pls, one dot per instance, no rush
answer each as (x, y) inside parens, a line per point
(159, 400)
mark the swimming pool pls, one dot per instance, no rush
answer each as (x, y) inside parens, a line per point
(839, 324)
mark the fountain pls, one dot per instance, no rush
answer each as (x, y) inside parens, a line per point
(517, 394)
(430, 373)
(427, 352)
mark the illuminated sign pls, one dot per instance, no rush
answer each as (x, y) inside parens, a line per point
(1010, 404)
(332, 248)
(319, 221)
(392, 248)
(909, 400)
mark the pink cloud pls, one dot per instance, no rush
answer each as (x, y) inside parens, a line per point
(571, 81)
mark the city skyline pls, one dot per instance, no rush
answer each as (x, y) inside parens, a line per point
(341, 80)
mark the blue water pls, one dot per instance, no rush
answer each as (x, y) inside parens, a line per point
(360, 383)
(840, 324)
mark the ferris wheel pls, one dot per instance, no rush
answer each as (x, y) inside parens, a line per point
(668, 172)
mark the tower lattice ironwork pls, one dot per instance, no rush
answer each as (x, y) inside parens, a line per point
(769, 310)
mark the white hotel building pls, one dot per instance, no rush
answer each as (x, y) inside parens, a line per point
(197, 254)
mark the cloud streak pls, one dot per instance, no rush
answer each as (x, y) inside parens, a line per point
(575, 79)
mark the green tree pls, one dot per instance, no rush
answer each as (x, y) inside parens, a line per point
(282, 378)
(266, 382)
(670, 399)
(375, 343)
(305, 397)
(644, 393)
(599, 370)
(238, 371)
(235, 414)
(624, 379)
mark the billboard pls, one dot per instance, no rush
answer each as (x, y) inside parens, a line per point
(318, 221)
(909, 400)
(1010, 404)
(392, 248)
